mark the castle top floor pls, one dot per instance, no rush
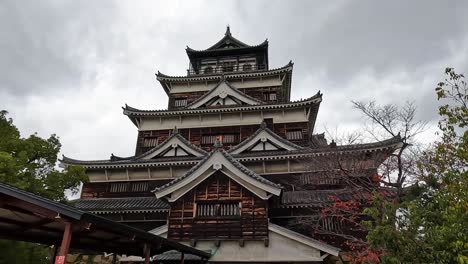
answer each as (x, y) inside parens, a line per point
(228, 55)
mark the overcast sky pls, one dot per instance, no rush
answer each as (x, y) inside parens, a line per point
(67, 67)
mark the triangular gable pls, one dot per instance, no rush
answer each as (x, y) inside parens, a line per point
(224, 94)
(174, 146)
(218, 160)
(264, 140)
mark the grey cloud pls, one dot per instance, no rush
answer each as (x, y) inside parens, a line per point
(45, 44)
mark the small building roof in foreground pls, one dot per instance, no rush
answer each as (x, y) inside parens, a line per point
(28, 217)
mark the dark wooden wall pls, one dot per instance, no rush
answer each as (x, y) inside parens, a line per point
(252, 224)
(195, 135)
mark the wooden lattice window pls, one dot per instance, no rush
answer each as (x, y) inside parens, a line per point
(247, 67)
(225, 139)
(269, 96)
(330, 223)
(179, 102)
(218, 210)
(295, 134)
(208, 139)
(118, 187)
(139, 186)
(228, 139)
(150, 142)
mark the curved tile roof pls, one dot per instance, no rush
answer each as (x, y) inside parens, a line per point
(131, 111)
(228, 39)
(128, 204)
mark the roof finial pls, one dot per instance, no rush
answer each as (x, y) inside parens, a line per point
(228, 31)
(218, 144)
(175, 130)
(263, 125)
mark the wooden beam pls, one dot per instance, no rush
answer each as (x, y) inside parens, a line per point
(182, 257)
(147, 251)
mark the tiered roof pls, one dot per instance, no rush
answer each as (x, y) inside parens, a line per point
(228, 42)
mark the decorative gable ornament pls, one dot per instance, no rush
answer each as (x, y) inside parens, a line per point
(224, 94)
(174, 146)
(264, 140)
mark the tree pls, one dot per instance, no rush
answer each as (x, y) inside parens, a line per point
(30, 164)
(433, 227)
(391, 121)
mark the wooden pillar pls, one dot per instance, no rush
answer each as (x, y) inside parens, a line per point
(182, 257)
(147, 253)
(114, 258)
(67, 234)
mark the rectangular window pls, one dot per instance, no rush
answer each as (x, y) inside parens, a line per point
(228, 139)
(179, 102)
(118, 187)
(294, 134)
(225, 139)
(208, 139)
(330, 223)
(139, 186)
(150, 142)
(218, 210)
(269, 96)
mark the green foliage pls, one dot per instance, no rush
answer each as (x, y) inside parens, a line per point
(432, 227)
(30, 164)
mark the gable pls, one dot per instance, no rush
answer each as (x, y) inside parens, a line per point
(218, 161)
(174, 146)
(223, 94)
(264, 140)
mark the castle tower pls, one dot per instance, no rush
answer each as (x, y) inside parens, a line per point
(232, 163)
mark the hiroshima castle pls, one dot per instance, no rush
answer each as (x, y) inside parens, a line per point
(233, 166)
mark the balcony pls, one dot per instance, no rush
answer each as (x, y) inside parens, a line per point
(209, 70)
